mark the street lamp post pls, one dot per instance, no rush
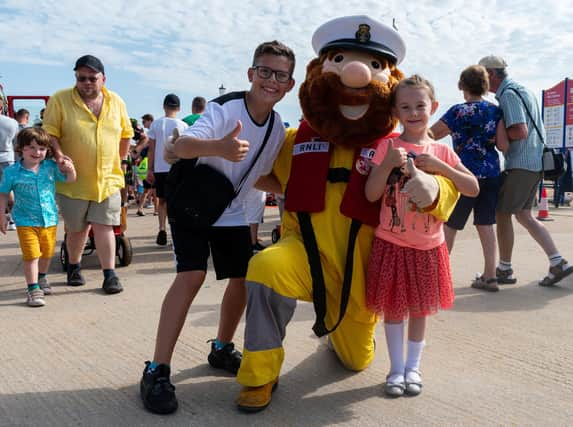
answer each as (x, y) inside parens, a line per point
(222, 89)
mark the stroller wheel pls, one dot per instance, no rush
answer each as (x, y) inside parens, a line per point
(64, 260)
(275, 234)
(124, 251)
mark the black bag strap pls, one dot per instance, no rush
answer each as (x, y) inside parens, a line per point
(265, 139)
(318, 287)
(526, 110)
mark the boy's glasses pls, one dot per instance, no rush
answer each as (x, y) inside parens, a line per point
(266, 73)
(91, 79)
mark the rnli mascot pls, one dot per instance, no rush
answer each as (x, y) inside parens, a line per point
(328, 224)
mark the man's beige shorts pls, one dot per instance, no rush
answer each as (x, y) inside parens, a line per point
(518, 190)
(79, 213)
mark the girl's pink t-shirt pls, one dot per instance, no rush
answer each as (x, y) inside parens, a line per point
(407, 227)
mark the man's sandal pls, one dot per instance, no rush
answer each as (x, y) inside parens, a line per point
(255, 399)
(558, 272)
(489, 285)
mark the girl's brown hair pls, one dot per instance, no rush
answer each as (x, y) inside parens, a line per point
(414, 81)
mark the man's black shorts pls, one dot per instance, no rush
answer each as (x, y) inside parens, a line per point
(230, 247)
(159, 183)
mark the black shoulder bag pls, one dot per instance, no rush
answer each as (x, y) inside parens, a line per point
(198, 194)
(553, 161)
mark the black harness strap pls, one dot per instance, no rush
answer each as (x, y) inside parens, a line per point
(338, 175)
(318, 287)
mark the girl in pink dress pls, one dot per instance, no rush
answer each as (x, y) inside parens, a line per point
(409, 268)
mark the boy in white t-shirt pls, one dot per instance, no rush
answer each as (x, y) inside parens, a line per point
(157, 167)
(226, 137)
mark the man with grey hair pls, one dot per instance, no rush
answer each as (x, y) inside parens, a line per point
(523, 173)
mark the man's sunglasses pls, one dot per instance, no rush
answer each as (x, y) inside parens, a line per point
(91, 79)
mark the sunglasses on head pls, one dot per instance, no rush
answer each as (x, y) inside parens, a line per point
(91, 79)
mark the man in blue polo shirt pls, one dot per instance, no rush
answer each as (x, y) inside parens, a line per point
(522, 175)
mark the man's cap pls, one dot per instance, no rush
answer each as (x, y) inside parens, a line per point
(492, 61)
(172, 100)
(91, 62)
(359, 33)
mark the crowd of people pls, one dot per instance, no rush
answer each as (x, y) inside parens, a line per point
(50, 169)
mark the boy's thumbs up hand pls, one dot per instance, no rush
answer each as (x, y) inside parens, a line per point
(235, 149)
(422, 188)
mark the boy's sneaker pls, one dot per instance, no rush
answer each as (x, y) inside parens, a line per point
(11, 226)
(161, 238)
(75, 277)
(156, 390)
(45, 286)
(257, 247)
(35, 298)
(226, 358)
(505, 277)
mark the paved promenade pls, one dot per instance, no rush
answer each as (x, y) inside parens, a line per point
(494, 359)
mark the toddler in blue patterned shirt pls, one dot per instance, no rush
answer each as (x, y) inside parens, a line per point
(33, 181)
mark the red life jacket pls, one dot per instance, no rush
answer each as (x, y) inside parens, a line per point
(306, 189)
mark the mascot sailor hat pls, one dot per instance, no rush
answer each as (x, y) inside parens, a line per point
(359, 33)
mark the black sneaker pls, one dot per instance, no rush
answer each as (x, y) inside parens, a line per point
(226, 358)
(112, 285)
(157, 392)
(257, 247)
(161, 238)
(75, 277)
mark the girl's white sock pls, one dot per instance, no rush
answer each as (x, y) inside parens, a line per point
(395, 343)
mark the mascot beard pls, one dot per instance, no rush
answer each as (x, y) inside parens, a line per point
(322, 95)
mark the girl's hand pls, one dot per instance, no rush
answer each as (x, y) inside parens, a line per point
(395, 156)
(429, 163)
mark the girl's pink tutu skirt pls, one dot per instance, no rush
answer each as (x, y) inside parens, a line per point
(404, 282)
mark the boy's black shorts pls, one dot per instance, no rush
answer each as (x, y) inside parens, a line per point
(230, 246)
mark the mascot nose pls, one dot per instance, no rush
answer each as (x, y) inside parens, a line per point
(355, 74)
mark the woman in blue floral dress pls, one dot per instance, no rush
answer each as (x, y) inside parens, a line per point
(476, 128)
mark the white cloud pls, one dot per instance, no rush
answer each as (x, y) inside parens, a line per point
(193, 46)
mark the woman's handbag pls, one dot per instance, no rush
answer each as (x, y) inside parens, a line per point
(554, 164)
(198, 194)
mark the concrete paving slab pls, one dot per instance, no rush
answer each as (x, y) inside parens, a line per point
(493, 359)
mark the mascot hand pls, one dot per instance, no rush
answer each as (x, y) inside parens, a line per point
(422, 188)
(233, 148)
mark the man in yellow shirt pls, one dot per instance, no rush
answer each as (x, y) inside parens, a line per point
(90, 125)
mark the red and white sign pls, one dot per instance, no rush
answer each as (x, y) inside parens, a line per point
(553, 108)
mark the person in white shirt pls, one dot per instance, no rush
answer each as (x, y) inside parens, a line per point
(227, 137)
(157, 167)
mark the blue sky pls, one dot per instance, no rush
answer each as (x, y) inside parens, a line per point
(151, 48)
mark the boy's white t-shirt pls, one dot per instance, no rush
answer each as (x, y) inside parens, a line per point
(219, 119)
(160, 130)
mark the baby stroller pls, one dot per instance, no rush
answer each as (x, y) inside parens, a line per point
(123, 248)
